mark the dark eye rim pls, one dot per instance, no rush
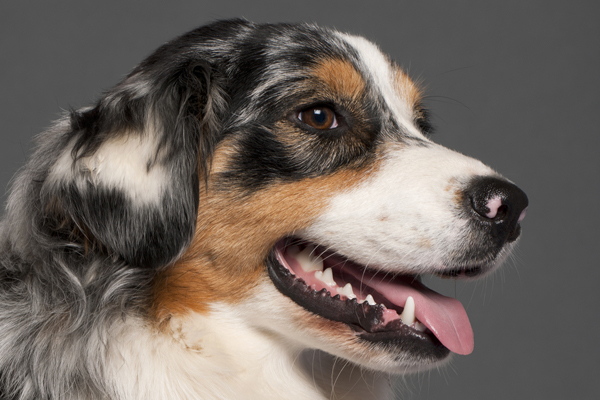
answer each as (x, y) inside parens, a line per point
(341, 117)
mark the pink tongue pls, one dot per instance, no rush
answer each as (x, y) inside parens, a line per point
(444, 316)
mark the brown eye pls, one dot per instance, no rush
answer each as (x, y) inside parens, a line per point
(322, 118)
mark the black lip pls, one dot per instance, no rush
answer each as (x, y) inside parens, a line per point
(364, 319)
(322, 303)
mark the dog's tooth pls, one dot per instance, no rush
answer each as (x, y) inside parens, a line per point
(307, 260)
(408, 315)
(317, 262)
(326, 277)
(419, 326)
(370, 300)
(347, 291)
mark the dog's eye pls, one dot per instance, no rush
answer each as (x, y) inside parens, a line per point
(322, 118)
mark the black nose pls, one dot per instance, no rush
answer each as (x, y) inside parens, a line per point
(499, 204)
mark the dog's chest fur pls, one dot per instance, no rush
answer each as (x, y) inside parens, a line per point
(220, 357)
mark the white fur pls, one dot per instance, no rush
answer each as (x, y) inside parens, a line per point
(227, 355)
(407, 209)
(120, 162)
(380, 71)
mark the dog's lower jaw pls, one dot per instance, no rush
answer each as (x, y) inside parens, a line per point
(281, 317)
(234, 359)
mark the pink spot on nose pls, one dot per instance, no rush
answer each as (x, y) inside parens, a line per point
(522, 215)
(493, 205)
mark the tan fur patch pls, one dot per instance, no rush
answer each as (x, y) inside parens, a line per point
(234, 235)
(341, 76)
(407, 88)
(458, 197)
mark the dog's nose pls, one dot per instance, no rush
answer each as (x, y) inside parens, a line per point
(498, 203)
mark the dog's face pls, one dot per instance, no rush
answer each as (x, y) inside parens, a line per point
(286, 173)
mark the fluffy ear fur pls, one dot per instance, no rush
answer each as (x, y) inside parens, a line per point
(126, 180)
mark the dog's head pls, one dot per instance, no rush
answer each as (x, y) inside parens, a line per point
(284, 171)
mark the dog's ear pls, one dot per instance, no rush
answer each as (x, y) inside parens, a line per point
(127, 180)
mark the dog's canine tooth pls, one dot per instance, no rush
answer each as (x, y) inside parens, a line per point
(306, 258)
(347, 291)
(326, 277)
(408, 315)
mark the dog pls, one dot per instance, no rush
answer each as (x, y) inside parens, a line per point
(247, 215)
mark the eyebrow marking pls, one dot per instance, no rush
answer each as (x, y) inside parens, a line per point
(341, 76)
(406, 88)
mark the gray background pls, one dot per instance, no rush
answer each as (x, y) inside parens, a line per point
(514, 83)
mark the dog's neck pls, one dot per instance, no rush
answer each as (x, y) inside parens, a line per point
(219, 357)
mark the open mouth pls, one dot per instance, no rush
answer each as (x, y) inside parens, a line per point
(378, 306)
